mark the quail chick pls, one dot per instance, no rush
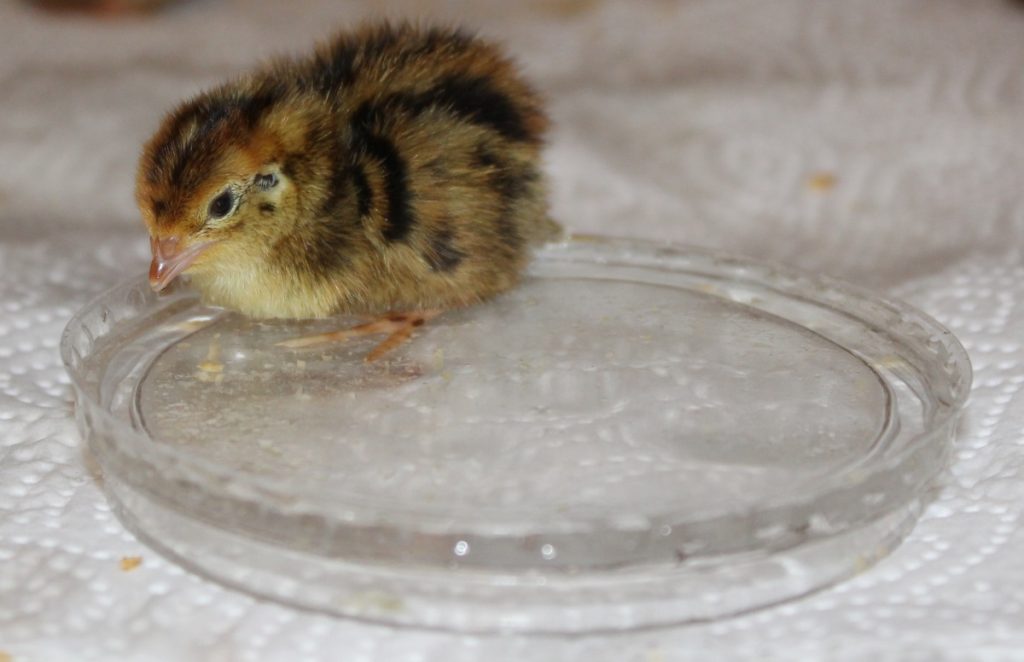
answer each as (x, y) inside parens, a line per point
(395, 172)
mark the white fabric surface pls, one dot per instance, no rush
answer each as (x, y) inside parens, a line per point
(698, 121)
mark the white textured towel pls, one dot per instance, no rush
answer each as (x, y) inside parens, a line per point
(879, 141)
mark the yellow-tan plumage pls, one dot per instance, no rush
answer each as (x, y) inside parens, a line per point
(395, 169)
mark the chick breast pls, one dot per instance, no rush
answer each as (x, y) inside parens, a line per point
(416, 157)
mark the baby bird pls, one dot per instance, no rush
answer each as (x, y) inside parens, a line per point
(395, 172)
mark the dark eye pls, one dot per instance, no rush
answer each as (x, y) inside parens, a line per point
(222, 205)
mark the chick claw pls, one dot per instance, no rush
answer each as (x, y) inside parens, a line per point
(398, 326)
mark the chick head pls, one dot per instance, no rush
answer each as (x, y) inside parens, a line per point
(214, 185)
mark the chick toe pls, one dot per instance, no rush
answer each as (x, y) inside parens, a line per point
(399, 328)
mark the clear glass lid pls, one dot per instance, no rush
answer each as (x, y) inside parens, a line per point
(669, 426)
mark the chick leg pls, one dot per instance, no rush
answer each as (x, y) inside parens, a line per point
(398, 326)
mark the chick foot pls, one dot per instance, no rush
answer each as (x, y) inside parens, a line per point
(398, 326)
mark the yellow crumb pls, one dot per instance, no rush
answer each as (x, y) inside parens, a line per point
(655, 655)
(209, 377)
(190, 326)
(211, 369)
(212, 362)
(128, 563)
(6, 657)
(300, 364)
(708, 288)
(439, 360)
(377, 601)
(891, 361)
(821, 181)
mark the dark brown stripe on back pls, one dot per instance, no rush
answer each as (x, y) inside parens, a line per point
(396, 187)
(383, 152)
(254, 106)
(335, 69)
(476, 100)
(471, 100)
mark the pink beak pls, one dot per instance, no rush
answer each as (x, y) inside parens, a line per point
(169, 260)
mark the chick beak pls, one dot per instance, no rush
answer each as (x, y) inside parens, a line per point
(170, 258)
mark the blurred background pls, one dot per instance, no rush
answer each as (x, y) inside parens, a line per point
(881, 141)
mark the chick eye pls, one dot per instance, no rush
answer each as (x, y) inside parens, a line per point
(222, 205)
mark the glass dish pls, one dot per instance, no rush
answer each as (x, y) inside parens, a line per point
(637, 435)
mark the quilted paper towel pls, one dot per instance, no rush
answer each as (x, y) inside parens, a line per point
(881, 141)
